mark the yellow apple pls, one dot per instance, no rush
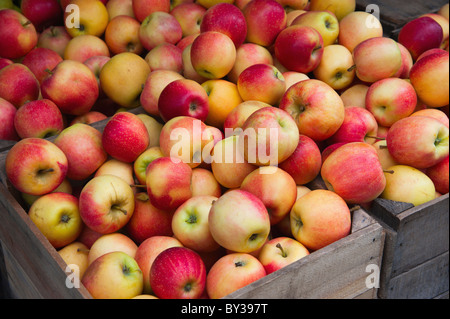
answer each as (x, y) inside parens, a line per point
(355, 95)
(93, 17)
(76, 257)
(358, 26)
(323, 21)
(340, 8)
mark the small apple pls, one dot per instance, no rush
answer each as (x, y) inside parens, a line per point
(92, 18)
(355, 95)
(142, 161)
(122, 35)
(55, 38)
(7, 115)
(357, 27)
(165, 56)
(42, 13)
(320, 218)
(189, 15)
(159, 27)
(111, 242)
(188, 69)
(292, 77)
(40, 60)
(35, 166)
(143, 8)
(436, 113)
(439, 175)
(57, 216)
(341, 8)
(323, 21)
(75, 256)
(18, 84)
(106, 203)
(237, 116)
(154, 128)
(178, 273)
(113, 276)
(119, 7)
(204, 183)
(88, 118)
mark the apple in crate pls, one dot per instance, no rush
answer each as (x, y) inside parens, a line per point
(390, 100)
(408, 184)
(57, 216)
(418, 141)
(189, 15)
(280, 252)
(125, 137)
(178, 273)
(86, 46)
(239, 221)
(420, 35)
(106, 203)
(275, 188)
(18, 84)
(320, 218)
(7, 114)
(323, 21)
(232, 272)
(213, 54)
(114, 275)
(340, 8)
(168, 183)
(354, 172)
(36, 166)
(40, 61)
(316, 107)
(148, 250)
(430, 76)
(82, 145)
(376, 59)
(439, 175)
(265, 20)
(21, 37)
(119, 7)
(111, 242)
(118, 168)
(299, 48)
(143, 8)
(75, 256)
(55, 38)
(159, 27)
(93, 18)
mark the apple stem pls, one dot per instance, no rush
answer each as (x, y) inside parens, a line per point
(354, 208)
(83, 250)
(376, 137)
(26, 23)
(389, 172)
(138, 185)
(120, 209)
(351, 68)
(283, 253)
(382, 146)
(46, 170)
(48, 71)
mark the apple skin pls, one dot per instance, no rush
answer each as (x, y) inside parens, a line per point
(390, 100)
(178, 273)
(316, 107)
(143, 8)
(21, 37)
(5, 62)
(243, 215)
(418, 141)
(148, 250)
(408, 184)
(204, 183)
(237, 117)
(35, 166)
(259, 144)
(55, 38)
(168, 183)
(439, 175)
(359, 125)
(106, 203)
(280, 252)
(113, 276)
(320, 218)
(57, 216)
(228, 164)
(436, 113)
(7, 115)
(40, 118)
(142, 161)
(376, 59)
(165, 56)
(420, 35)
(72, 86)
(125, 137)
(147, 220)
(119, 7)
(341, 8)
(183, 97)
(111, 242)
(426, 73)
(355, 95)
(156, 81)
(39, 60)
(264, 10)
(189, 15)
(228, 19)
(18, 84)
(261, 82)
(299, 48)
(85, 46)
(305, 163)
(122, 35)
(354, 172)
(93, 18)
(323, 21)
(88, 118)
(231, 272)
(357, 27)
(277, 190)
(213, 54)
(190, 224)
(82, 145)
(158, 28)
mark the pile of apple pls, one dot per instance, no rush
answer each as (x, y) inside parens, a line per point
(245, 106)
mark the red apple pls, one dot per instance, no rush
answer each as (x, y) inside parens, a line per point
(40, 61)
(189, 15)
(42, 13)
(265, 20)
(354, 172)
(436, 113)
(18, 84)
(165, 56)
(228, 19)
(299, 48)
(125, 137)
(178, 273)
(305, 163)
(89, 118)
(5, 62)
(147, 220)
(183, 97)
(55, 38)
(420, 35)
(7, 114)
(40, 118)
(72, 86)
(158, 28)
(439, 175)
(143, 8)
(122, 35)
(21, 36)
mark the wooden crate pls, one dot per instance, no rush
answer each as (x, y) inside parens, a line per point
(34, 269)
(415, 258)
